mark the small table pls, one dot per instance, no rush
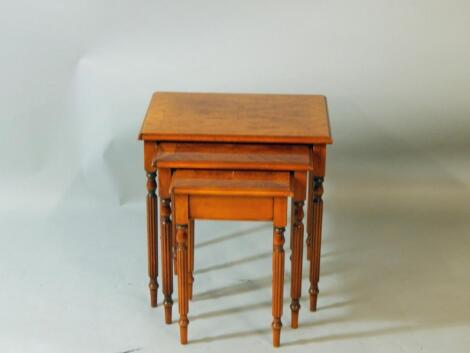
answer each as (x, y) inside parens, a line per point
(238, 132)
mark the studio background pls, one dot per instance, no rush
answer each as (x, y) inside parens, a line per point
(76, 79)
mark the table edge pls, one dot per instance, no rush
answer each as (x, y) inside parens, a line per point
(236, 139)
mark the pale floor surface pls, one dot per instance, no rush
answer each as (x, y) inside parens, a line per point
(394, 271)
(394, 278)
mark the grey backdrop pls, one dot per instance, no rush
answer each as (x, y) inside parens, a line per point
(76, 78)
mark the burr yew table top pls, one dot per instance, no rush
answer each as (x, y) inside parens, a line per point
(268, 118)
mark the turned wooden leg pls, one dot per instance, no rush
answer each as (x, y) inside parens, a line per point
(167, 256)
(191, 257)
(152, 237)
(309, 215)
(316, 248)
(175, 267)
(277, 283)
(297, 239)
(183, 284)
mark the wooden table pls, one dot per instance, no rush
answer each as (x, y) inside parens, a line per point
(235, 132)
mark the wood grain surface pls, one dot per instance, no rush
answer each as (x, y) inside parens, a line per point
(219, 182)
(178, 116)
(233, 156)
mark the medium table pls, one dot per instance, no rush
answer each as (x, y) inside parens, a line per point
(235, 132)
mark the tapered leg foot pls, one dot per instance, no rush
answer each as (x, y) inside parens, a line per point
(153, 287)
(168, 312)
(276, 326)
(184, 330)
(294, 307)
(313, 291)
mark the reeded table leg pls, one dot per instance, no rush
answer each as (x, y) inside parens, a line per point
(183, 284)
(278, 283)
(191, 257)
(166, 238)
(279, 222)
(181, 210)
(152, 237)
(173, 231)
(297, 239)
(167, 254)
(296, 244)
(317, 215)
(309, 215)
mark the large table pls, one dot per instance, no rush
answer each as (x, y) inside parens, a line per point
(275, 132)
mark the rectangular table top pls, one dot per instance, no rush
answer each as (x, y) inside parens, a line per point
(211, 117)
(259, 156)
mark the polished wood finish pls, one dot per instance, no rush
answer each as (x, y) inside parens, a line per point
(319, 157)
(296, 245)
(183, 289)
(191, 257)
(175, 267)
(234, 132)
(176, 155)
(152, 237)
(309, 215)
(231, 183)
(233, 156)
(150, 150)
(166, 241)
(217, 117)
(279, 223)
(187, 198)
(220, 207)
(181, 217)
(277, 283)
(167, 261)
